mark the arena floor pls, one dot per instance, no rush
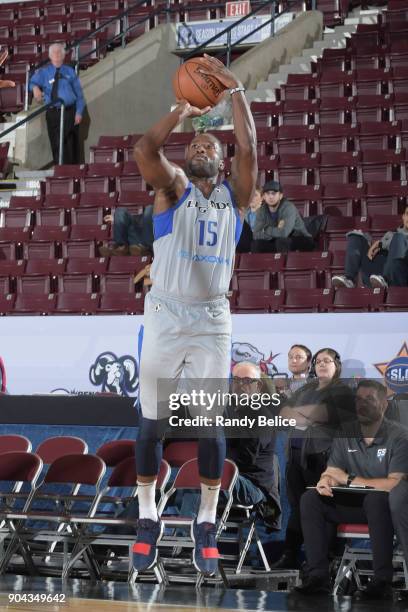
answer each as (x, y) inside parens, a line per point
(120, 597)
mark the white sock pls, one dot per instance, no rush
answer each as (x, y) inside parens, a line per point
(207, 512)
(146, 493)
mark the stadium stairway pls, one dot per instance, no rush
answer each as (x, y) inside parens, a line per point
(332, 38)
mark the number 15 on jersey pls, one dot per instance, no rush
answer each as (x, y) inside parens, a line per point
(207, 233)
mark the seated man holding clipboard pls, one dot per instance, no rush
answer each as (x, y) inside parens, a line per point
(365, 482)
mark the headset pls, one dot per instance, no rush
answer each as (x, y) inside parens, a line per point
(337, 360)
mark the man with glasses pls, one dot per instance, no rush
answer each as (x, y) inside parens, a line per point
(279, 226)
(372, 452)
(254, 451)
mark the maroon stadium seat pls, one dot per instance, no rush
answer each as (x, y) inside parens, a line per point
(72, 303)
(397, 299)
(359, 299)
(117, 303)
(35, 304)
(312, 300)
(260, 302)
(340, 168)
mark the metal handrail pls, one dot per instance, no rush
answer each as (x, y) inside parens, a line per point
(35, 114)
(167, 9)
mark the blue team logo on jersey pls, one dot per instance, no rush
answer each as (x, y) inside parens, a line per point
(114, 374)
(395, 372)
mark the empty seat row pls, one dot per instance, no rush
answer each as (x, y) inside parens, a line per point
(349, 110)
(69, 201)
(71, 303)
(68, 283)
(322, 300)
(76, 265)
(291, 300)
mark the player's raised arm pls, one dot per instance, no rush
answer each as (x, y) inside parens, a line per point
(154, 167)
(244, 167)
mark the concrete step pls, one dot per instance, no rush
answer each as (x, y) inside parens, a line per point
(39, 175)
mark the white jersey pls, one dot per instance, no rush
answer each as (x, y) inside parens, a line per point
(194, 245)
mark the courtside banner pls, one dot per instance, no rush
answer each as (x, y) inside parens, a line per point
(87, 355)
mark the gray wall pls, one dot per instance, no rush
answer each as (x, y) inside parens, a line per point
(125, 93)
(289, 42)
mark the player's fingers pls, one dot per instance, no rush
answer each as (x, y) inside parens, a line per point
(213, 60)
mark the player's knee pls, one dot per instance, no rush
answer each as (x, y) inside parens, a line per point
(211, 457)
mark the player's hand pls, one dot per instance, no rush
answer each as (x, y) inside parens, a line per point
(78, 119)
(4, 84)
(213, 67)
(188, 110)
(108, 219)
(3, 56)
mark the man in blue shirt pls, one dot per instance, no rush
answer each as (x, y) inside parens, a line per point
(59, 81)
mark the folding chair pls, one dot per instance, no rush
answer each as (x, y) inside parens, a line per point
(16, 469)
(123, 480)
(11, 442)
(71, 473)
(115, 451)
(58, 446)
(353, 555)
(188, 478)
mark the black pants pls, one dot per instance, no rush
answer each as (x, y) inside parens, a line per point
(297, 479)
(383, 512)
(356, 260)
(282, 245)
(71, 152)
(393, 265)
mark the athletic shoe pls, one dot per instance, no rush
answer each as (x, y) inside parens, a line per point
(340, 280)
(205, 555)
(378, 282)
(376, 589)
(114, 251)
(314, 585)
(144, 550)
(138, 250)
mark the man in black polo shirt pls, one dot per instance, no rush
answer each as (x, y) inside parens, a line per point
(374, 454)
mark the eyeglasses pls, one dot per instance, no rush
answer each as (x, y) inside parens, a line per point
(242, 382)
(296, 357)
(326, 361)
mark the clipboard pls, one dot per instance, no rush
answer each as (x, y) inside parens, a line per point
(356, 489)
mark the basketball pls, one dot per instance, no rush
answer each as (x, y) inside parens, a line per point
(200, 90)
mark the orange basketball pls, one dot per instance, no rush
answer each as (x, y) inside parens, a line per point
(200, 90)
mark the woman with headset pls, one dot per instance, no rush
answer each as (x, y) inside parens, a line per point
(319, 407)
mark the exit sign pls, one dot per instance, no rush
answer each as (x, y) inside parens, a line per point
(237, 9)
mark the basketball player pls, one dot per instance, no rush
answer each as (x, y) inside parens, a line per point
(187, 324)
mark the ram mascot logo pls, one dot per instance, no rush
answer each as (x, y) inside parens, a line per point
(115, 374)
(243, 351)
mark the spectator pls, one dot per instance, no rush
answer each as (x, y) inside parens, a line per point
(254, 206)
(254, 454)
(318, 407)
(382, 263)
(59, 81)
(258, 482)
(279, 226)
(374, 453)
(299, 361)
(132, 234)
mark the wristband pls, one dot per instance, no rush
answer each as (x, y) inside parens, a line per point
(236, 89)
